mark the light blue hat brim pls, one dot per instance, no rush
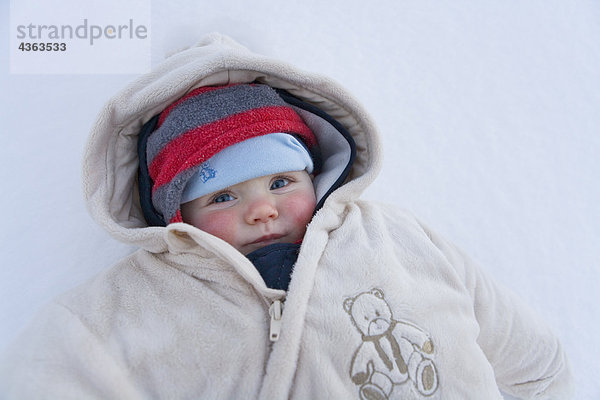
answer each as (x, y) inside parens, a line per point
(259, 156)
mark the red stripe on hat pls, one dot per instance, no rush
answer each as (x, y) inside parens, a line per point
(204, 89)
(201, 143)
(177, 217)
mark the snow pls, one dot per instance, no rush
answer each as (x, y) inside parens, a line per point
(489, 113)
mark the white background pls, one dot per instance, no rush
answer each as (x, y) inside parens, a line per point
(489, 112)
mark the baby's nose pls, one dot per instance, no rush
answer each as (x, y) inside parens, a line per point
(261, 210)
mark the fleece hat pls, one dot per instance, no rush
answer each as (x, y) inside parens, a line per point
(186, 156)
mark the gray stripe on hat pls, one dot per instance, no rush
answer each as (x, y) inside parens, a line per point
(209, 107)
(166, 199)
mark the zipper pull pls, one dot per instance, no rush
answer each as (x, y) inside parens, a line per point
(275, 312)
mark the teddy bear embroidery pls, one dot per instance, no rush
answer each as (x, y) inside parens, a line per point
(393, 351)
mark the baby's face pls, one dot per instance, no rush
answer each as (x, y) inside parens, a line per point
(258, 212)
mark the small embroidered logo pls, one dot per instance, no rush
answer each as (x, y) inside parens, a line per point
(206, 172)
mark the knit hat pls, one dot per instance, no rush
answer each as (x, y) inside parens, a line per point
(208, 120)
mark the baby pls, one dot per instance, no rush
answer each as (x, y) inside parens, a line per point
(252, 184)
(261, 274)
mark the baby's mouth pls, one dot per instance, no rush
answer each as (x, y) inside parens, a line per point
(267, 239)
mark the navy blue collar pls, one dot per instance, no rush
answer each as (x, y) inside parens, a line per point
(275, 263)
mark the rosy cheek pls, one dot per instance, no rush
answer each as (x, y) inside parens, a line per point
(300, 209)
(221, 224)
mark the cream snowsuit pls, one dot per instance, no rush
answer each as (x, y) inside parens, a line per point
(378, 306)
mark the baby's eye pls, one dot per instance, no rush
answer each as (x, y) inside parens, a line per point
(223, 197)
(279, 183)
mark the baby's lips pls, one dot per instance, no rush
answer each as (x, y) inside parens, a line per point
(267, 238)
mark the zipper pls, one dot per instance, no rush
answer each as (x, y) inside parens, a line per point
(275, 311)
